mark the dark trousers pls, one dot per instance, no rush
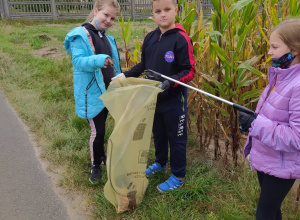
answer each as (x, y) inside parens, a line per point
(97, 137)
(169, 128)
(273, 192)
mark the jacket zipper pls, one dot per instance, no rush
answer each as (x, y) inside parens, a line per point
(282, 159)
(160, 37)
(86, 89)
(86, 103)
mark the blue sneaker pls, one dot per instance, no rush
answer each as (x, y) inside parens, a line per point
(172, 183)
(154, 168)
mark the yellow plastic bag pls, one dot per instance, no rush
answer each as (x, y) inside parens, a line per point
(131, 102)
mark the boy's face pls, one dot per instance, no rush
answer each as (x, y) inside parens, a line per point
(164, 12)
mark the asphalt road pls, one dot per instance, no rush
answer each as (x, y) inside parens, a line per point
(26, 192)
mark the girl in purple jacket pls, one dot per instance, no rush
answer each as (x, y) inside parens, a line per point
(273, 143)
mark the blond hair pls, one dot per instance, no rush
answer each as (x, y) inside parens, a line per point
(289, 32)
(99, 4)
(173, 1)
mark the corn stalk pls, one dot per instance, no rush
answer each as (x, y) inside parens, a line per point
(126, 32)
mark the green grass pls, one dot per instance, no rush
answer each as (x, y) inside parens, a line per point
(40, 88)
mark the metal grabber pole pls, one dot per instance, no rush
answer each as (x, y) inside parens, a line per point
(238, 107)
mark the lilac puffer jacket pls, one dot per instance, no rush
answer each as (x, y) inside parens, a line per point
(274, 138)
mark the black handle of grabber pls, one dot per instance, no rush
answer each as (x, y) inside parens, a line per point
(243, 109)
(153, 74)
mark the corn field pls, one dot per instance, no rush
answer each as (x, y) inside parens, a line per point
(231, 57)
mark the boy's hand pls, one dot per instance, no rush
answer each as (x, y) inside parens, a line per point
(245, 120)
(164, 85)
(152, 75)
(108, 62)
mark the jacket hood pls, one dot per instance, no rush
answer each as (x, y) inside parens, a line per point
(178, 27)
(76, 32)
(90, 27)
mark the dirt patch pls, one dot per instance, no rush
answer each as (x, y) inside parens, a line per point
(50, 47)
(208, 152)
(50, 52)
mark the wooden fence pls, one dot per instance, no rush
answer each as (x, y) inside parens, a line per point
(73, 9)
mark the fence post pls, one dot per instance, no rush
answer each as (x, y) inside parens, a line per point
(5, 9)
(1, 9)
(132, 9)
(53, 8)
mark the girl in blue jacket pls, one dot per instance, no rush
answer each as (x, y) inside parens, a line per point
(95, 61)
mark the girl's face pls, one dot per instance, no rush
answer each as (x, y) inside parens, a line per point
(105, 17)
(277, 46)
(164, 12)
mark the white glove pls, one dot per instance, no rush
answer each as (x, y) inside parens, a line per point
(118, 76)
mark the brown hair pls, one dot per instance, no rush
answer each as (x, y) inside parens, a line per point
(173, 1)
(289, 32)
(99, 5)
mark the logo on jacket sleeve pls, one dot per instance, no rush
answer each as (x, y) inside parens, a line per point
(169, 56)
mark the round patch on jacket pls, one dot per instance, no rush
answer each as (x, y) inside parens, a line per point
(169, 56)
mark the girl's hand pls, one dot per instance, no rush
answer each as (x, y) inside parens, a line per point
(121, 75)
(108, 62)
(245, 121)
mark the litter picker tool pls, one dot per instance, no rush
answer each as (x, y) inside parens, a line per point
(156, 75)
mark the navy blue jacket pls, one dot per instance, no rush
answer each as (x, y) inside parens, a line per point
(170, 54)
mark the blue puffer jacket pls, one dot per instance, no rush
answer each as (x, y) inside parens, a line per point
(88, 80)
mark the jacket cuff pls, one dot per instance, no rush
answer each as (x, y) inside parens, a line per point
(258, 124)
(101, 59)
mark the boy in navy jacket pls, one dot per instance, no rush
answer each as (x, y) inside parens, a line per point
(169, 51)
